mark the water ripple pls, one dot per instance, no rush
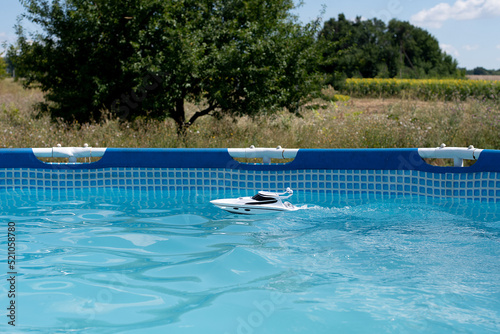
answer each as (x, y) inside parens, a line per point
(140, 262)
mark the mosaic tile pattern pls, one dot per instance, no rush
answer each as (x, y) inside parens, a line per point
(484, 186)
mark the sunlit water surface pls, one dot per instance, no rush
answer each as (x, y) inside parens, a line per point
(112, 261)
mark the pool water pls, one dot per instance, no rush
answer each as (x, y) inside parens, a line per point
(116, 261)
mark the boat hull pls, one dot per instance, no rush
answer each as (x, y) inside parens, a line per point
(236, 206)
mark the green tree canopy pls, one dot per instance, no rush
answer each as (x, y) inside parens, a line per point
(147, 57)
(3, 66)
(482, 71)
(419, 52)
(370, 48)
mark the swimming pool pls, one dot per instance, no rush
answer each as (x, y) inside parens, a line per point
(107, 261)
(133, 244)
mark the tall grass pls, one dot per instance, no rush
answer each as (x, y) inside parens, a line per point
(325, 123)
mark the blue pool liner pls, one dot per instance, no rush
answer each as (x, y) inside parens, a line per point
(343, 171)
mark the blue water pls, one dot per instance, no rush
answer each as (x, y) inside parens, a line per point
(115, 261)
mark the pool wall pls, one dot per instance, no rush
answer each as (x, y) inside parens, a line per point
(343, 171)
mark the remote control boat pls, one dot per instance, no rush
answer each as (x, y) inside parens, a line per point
(262, 203)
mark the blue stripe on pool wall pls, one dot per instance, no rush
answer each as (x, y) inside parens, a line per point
(342, 171)
(370, 159)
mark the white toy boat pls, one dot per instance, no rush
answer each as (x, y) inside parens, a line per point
(262, 203)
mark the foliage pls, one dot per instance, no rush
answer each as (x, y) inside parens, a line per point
(3, 68)
(483, 71)
(358, 46)
(150, 57)
(420, 54)
(370, 48)
(427, 89)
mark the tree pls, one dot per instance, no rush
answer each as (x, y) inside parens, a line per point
(370, 48)
(360, 47)
(419, 52)
(148, 57)
(3, 68)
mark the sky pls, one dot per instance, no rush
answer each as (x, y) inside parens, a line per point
(468, 30)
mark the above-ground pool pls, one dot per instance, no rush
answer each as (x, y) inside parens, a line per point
(382, 243)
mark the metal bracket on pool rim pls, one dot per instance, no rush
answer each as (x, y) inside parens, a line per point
(263, 152)
(458, 154)
(72, 153)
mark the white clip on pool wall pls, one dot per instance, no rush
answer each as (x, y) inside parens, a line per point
(343, 171)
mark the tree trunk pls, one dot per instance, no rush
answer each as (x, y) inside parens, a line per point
(179, 116)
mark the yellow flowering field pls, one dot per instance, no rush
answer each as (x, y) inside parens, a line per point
(428, 89)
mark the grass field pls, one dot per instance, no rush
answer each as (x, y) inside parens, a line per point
(330, 122)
